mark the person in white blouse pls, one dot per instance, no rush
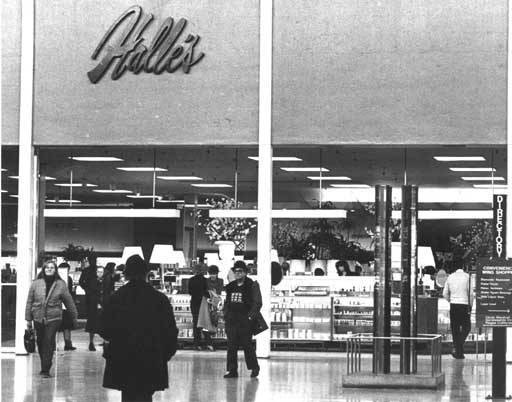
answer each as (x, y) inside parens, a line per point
(459, 293)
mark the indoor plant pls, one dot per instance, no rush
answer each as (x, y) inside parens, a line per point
(234, 230)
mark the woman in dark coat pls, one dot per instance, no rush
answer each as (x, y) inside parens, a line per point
(108, 282)
(140, 336)
(92, 286)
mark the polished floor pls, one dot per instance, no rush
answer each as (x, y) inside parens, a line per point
(197, 376)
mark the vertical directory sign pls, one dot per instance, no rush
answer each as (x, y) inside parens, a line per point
(494, 293)
(499, 232)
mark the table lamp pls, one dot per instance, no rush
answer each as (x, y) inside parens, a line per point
(129, 251)
(178, 258)
(162, 254)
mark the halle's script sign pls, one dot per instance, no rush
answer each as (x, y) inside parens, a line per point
(128, 50)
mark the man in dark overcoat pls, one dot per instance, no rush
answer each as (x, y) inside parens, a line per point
(243, 302)
(140, 331)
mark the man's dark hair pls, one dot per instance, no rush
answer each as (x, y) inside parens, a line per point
(136, 268)
(240, 264)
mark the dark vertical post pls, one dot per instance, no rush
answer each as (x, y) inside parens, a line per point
(499, 334)
(408, 240)
(414, 275)
(382, 304)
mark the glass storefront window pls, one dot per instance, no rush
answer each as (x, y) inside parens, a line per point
(9, 207)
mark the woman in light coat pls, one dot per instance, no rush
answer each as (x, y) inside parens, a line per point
(44, 308)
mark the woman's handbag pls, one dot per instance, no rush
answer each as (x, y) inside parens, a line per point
(29, 340)
(258, 324)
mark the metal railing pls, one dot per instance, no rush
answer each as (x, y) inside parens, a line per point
(354, 349)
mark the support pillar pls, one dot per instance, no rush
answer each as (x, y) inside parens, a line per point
(25, 263)
(408, 296)
(265, 171)
(382, 291)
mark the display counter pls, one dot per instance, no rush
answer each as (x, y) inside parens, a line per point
(333, 309)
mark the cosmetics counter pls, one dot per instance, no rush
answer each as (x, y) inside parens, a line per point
(323, 311)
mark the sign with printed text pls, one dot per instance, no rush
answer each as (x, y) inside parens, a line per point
(494, 293)
(499, 226)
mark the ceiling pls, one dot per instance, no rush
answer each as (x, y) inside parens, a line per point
(364, 165)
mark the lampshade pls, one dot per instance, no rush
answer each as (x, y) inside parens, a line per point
(131, 250)
(211, 258)
(162, 254)
(178, 257)
(274, 256)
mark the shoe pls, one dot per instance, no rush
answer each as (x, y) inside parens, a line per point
(456, 356)
(92, 348)
(45, 374)
(231, 374)
(210, 348)
(255, 373)
(69, 347)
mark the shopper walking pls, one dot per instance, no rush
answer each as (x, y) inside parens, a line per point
(44, 308)
(243, 302)
(459, 293)
(67, 319)
(91, 284)
(197, 289)
(215, 286)
(140, 336)
(108, 282)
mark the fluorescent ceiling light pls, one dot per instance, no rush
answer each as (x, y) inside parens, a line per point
(164, 201)
(46, 177)
(279, 213)
(175, 201)
(64, 201)
(481, 178)
(305, 169)
(96, 158)
(4, 170)
(198, 206)
(14, 195)
(279, 158)
(179, 178)
(350, 185)
(211, 185)
(68, 184)
(111, 213)
(472, 169)
(459, 158)
(108, 191)
(453, 214)
(500, 186)
(144, 196)
(329, 178)
(3, 191)
(142, 169)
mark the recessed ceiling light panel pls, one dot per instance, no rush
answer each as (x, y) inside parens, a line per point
(142, 169)
(109, 191)
(350, 185)
(279, 158)
(304, 169)
(212, 185)
(459, 158)
(482, 178)
(96, 158)
(472, 169)
(179, 178)
(330, 178)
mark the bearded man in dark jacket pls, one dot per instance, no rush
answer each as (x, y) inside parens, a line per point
(140, 331)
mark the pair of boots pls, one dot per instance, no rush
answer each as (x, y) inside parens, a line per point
(68, 345)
